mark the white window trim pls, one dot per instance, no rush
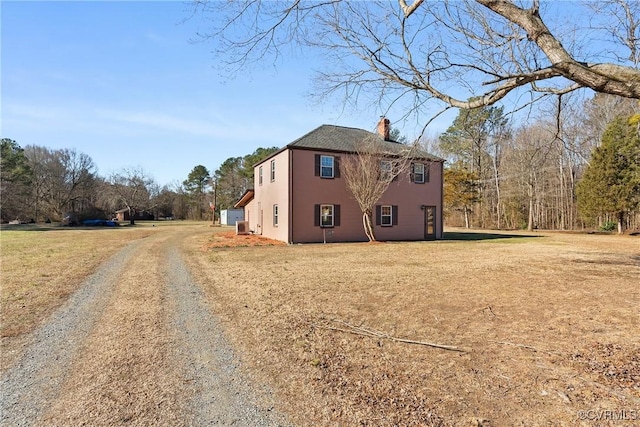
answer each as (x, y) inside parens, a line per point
(421, 181)
(273, 170)
(333, 165)
(275, 215)
(260, 175)
(332, 216)
(384, 171)
(382, 216)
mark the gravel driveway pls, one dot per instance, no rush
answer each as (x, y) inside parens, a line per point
(136, 345)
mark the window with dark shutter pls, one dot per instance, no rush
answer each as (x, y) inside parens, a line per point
(417, 173)
(327, 215)
(386, 215)
(326, 166)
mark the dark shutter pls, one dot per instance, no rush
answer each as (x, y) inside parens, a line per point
(412, 176)
(394, 214)
(336, 167)
(426, 172)
(317, 164)
(378, 214)
(316, 215)
(336, 215)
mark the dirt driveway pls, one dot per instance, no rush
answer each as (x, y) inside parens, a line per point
(136, 345)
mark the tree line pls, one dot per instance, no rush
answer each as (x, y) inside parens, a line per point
(40, 184)
(575, 167)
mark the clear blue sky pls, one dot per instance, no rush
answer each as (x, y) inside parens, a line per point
(121, 82)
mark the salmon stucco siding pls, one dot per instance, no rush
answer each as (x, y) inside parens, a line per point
(270, 206)
(302, 197)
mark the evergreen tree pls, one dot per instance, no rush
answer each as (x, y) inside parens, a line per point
(460, 191)
(611, 183)
(475, 141)
(196, 185)
(15, 178)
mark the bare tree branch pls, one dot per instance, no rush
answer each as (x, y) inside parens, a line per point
(370, 170)
(463, 53)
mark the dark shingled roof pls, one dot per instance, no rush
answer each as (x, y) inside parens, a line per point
(344, 139)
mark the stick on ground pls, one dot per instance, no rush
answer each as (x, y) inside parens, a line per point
(371, 333)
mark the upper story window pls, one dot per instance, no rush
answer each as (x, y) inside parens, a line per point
(273, 170)
(260, 175)
(386, 169)
(418, 170)
(326, 166)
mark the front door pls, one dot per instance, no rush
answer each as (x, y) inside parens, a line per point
(429, 222)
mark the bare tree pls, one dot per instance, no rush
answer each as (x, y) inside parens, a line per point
(63, 181)
(370, 170)
(463, 53)
(528, 157)
(133, 189)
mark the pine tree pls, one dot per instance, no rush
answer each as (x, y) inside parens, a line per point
(611, 182)
(460, 191)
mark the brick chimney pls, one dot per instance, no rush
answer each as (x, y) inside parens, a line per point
(384, 128)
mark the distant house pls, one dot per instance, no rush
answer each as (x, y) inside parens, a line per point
(123, 215)
(299, 195)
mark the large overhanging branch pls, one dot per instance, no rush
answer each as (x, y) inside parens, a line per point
(465, 53)
(608, 78)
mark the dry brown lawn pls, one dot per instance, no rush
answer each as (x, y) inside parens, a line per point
(551, 321)
(42, 266)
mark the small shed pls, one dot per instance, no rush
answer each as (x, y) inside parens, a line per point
(230, 216)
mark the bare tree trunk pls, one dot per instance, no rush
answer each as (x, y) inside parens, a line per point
(561, 204)
(620, 222)
(368, 227)
(466, 217)
(498, 204)
(530, 194)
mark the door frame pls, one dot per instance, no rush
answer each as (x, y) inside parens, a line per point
(427, 209)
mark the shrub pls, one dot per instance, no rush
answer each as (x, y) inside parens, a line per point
(609, 226)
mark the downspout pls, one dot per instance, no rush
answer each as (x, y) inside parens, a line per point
(290, 198)
(441, 218)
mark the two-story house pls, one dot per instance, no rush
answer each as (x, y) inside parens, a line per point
(300, 195)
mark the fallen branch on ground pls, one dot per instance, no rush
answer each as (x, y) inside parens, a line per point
(372, 333)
